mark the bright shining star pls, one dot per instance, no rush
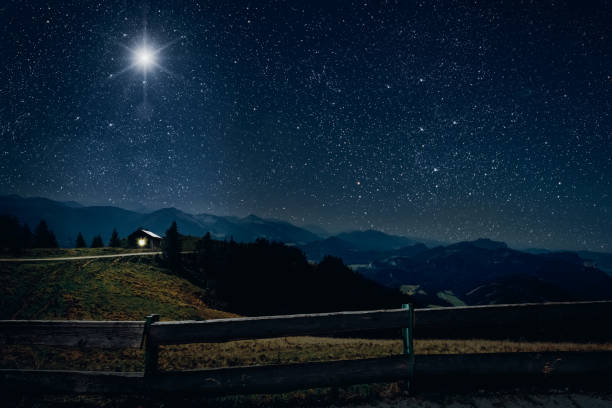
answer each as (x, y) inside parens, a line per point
(145, 57)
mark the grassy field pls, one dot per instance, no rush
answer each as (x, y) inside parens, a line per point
(131, 288)
(266, 351)
(99, 289)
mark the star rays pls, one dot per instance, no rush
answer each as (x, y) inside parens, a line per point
(144, 57)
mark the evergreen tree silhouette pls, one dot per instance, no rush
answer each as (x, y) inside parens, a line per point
(26, 237)
(97, 242)
(80, 241)
(43, 237)
(114, 239)
(14, 236)
(52, 240)
(171, 248)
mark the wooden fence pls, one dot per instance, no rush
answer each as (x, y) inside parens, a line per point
(558, 321)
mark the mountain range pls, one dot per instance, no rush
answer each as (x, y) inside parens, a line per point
(475, 272)
(486, 272)
(67, 219)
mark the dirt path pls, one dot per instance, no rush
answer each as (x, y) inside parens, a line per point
(76, 258)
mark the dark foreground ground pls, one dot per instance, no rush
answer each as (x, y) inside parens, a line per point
(483, 399)
(478, 399)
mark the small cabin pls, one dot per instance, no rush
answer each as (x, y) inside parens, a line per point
(142, 238)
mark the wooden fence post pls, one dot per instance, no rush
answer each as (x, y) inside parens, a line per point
(151, 349)
(408, 335)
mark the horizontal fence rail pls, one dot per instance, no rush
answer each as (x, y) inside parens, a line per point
(276, 326)
(430, 372)
(581, 321)
(152, 333)
(563, 320)
(94, 334)
(558, 321)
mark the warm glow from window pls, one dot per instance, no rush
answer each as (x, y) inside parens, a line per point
(142, 242)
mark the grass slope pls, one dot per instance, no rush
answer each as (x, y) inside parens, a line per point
(130, 288)
(99, 289)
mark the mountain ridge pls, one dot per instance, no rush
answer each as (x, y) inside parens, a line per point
(485, 271)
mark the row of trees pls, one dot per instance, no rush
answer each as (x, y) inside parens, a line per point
(17, 237)
(265, 277)
(96, 242)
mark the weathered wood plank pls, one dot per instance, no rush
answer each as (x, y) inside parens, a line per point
(515, 363)
(575, 320)
(103, 334)
(286, 377)
(505, 368)
(474, 371)
(276, 326)
(561, 321)
(71, 382)
(443, 370)
(236, 380)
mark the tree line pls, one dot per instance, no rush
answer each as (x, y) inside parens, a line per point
(97, 242)
(16, 237)
(263, 278)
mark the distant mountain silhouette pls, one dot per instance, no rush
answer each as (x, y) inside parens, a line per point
(372, 240)
(482, 243)
(516, 289)
(317, 230)
(486, 271)
(351, 254)
(72, 204)
(68, 219)
(600, 260)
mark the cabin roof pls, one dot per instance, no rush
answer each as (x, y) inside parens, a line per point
(151, 234)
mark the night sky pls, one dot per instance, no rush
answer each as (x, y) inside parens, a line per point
(447, 120)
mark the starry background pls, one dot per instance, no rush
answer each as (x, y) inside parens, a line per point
(447, 120)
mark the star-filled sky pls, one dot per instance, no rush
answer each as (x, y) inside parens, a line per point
(448, 120)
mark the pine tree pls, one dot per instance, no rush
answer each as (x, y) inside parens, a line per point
(171, 248)
(114, 240)
(52, 240)
(97, 242)
(205, 254)
(26, 237)
(13, 235)
(80, 241)
(43, 237)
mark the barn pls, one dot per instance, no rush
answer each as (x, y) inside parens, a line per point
(142, 238)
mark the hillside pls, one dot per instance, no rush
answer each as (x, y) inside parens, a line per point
(99, 289)
(267, 278)
(488, 272)
(129, 289)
